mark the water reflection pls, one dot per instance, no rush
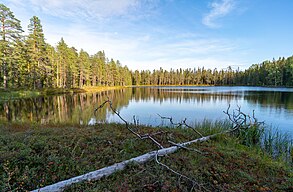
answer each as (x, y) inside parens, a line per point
(274, 99)
(195, 103)
(74, 108)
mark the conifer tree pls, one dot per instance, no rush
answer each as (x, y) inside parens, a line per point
(37, 52)
(19, 67)
(10, 33)
(84, 68)
(73, 66)
(61, 64)
(101, 67)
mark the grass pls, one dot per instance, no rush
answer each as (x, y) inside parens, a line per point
(101, 88)
(33, 156)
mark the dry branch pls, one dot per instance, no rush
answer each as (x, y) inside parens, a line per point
(173, 171)
(241, 120)
(180, 124)
(184, 147)
(145, 136)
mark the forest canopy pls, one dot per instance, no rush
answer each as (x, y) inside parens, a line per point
(27, 61)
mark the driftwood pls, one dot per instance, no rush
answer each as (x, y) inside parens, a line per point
(239, 121)
(98, 174)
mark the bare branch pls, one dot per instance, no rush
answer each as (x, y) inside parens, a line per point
(175, 172)
(241, 120)
(184, 123)
(170, 119)
(155, 141)
(180, 124)
(127, 124)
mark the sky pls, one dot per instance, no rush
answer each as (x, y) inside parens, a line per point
(149, 34)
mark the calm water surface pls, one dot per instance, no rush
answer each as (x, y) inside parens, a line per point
(272, 105)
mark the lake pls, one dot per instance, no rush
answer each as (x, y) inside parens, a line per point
(272, 105)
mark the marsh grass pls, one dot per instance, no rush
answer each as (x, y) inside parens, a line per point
(251, 136)
(278, 145)
(270, 140)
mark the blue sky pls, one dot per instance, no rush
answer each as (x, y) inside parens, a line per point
(149, 34)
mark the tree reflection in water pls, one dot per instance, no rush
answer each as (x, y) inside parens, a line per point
(69, 108)
(79, 108)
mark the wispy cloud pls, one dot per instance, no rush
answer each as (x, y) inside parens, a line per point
(178, 53)
(89, 9)
(145, 50)
(218, 9)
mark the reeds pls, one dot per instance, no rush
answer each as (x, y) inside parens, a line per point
(278, 145)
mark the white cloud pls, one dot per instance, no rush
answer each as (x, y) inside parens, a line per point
(88, 9)
(188, 54)
(218, 10)
(135, 46)
(147, 51)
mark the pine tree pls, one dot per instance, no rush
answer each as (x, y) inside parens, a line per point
(37, 52)
(84, 68)
(10, 33)
(51, 68)
(73, 66)
(101, 67)
(94, 69)
(18, 69)
(62, 63)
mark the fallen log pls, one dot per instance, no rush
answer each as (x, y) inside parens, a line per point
(106, 171)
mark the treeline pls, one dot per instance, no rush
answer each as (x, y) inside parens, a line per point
(27, 61)
(269, 73)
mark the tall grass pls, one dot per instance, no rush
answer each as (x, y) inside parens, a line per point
(271, 141)
(278, 145)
